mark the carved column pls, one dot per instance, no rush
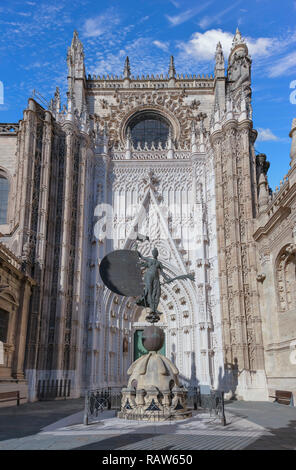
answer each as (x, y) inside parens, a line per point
(78, 313)
(64, 255)
(21, 328)
(242, 335)
(27, 181)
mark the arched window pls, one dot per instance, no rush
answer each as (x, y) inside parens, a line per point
(149, 126)
(4, 190)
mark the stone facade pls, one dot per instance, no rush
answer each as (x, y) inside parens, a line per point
(15, 292)
(275, 238)
(81, 187)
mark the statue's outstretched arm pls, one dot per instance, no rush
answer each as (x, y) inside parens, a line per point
(168, 279)
(165, 276)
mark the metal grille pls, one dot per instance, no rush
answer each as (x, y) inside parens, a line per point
(51, 389)
(100, 399)
(214, 403)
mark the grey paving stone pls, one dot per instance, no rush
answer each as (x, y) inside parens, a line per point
(51, 425)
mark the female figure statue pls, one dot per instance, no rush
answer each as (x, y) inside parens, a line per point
(152, 286)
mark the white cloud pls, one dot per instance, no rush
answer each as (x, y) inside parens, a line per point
(145, 18)
(161, 45)
(202, 46)
(187, 15)
(265, 135)
(94, 27)
(208, 20)
(176, 4)
(285, 65)
(143, 59)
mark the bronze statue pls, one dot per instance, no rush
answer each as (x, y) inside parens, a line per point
(120, 271)
(152, 285)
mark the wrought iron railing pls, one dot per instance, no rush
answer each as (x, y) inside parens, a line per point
(51, 389)
(100, 399)
(109, 398)
(214, 403)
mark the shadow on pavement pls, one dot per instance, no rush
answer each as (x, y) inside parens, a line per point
(114, 442)
(30, 418)
(279, 439)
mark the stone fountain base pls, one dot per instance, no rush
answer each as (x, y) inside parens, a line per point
(153, 391)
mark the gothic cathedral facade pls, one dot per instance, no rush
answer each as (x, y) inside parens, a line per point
(171, 158)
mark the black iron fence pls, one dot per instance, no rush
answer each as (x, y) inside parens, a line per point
(214, 403)
(109, 398)
(207, 399)
(98, 400)
(193, 398)
(51, 389)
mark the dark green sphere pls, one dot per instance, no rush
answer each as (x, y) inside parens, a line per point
(153, 338)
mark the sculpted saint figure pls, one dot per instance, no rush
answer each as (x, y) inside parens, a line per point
(152, 285)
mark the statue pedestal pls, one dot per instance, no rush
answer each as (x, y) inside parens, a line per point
(153, 392)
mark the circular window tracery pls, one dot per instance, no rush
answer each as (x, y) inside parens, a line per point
(148, 127)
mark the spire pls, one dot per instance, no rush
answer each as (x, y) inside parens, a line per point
(75, 56)
(127, 69)
(172, 70)
(237, 41)
(57, 100)
(237, 38)
(75, 38)
(219, 59)
(76, 72)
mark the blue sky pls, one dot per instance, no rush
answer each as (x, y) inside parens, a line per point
(35, 36)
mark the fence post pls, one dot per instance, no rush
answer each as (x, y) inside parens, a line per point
(223, 419)
(85, 416)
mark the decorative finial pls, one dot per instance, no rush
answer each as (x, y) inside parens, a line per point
(172, 70)
(237, 38)
(75, 38)
(127, 69)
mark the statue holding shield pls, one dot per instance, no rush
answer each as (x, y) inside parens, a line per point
(121, 272)
(152, 285)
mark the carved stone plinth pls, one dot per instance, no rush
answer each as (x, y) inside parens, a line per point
(154, 392)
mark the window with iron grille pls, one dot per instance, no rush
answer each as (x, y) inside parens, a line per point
(4, 317)
(149, 127)
(4, 190)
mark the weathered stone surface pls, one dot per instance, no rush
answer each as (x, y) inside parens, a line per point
(153, 390)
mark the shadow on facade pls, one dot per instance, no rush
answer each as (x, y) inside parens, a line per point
(192, 381)
(228, 381)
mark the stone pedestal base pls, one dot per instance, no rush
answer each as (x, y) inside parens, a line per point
(154, 392)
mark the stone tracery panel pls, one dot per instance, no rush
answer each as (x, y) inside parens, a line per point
(285, 279)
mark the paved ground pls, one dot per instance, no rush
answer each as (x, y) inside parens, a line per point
(58, 425)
